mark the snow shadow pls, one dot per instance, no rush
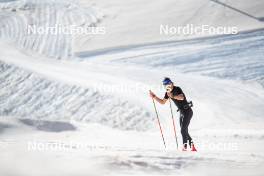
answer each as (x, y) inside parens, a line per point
(49, 126)
(3, 127)
(7, 0)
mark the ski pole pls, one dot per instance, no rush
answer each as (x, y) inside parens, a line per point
(159, 122)
(174, 128)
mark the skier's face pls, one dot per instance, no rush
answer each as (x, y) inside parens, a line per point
(169, 87)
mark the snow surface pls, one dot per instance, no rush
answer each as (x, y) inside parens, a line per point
(138, 21)
(96, 105)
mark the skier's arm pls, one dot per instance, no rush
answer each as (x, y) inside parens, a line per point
(161, 101)
(178, 97)
(178, 94)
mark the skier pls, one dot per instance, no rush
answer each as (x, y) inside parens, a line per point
(178, 97)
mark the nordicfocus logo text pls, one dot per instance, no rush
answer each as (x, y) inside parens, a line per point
(191, 29)
(67, 30)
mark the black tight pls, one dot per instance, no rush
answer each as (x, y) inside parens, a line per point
(185, 118)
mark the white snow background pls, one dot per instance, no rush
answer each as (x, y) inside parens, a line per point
(82, 100)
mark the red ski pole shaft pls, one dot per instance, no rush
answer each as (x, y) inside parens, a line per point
(174, 128)
(159, 122)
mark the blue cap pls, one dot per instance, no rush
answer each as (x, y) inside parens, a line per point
(166, 81)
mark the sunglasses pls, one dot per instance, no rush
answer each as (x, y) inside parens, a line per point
(168, 87)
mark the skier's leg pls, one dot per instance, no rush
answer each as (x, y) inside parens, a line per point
(190, 114)
(181, 118)
(184, 128)
(181, 125)
(186, 118)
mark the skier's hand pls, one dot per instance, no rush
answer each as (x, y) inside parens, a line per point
(170, 94)
(151, 94)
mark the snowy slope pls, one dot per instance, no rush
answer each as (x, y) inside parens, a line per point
(41, 98)
(237, 57)
(96, 105)
(109, 83)
(51, 95)
(18, 17)
(138, 21)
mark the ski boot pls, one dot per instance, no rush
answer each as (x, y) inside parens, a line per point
(184, 148)
(193, 149)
